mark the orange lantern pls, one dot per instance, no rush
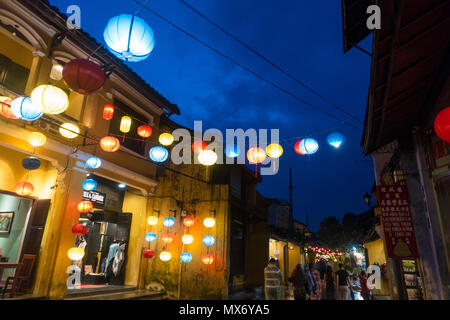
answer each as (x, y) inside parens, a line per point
(85, 206)
(199, 146)
(207, 259)
(256, 155)
(167, 238)
(108, 112)
(189, 221)
(110, 144)
(5, 108)
(24, 188)
(144, 131)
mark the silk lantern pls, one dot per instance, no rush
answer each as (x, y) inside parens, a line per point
(24, 188)
(23, 108)
(187, 239)
(274, 150)
(208, 240)
(168, 222)
(89, 184)
(50, 99)
(144, 131)
(166, 139)
(31, 163)
(83, 76)
(152, 220)
(167, 238)
(199, 146)
(232, 151)
(189, 222)
(150, 236)
(148, 253)
(108, 112)
(442, 124)
(85, 206)
(158, 154)
(207, 259)
(110, 144)
(207, 157)
(93, 163)
(335, 139)
(5, 108)
(69, 130)
(125, 124)
(75, 254)
(209, 222)
(256, 155)
(165, 256)
(186, 257)
(79, 229)
(306, 146)
(36, 139)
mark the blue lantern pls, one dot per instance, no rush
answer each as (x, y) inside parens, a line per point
(168, 222)
(89, 184)
(24, 109)
(159, 154)
(31, 163)
(150, 236)
(93, 163)
(208, 240)
(308, 146)
(186, 257)
(129, 38)
(336, 139)
(232, 151)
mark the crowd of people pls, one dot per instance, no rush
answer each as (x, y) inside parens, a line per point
(314, 282)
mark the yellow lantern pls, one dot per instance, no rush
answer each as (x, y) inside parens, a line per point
(152, 220)
(274, 150)
(207, 157)
(36, 139)
(51, 99)
(187, 239)
(125, 124)
(75, 254)
(165, 256)
(166, 139)
(69, 130)
(209, 222)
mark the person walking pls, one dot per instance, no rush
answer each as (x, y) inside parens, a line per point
(272, 280)
(329, 283)
(317, 295)
(365, 291)
(298, 280)
(342, 283)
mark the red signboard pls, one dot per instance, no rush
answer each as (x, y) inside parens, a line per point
(398, 226)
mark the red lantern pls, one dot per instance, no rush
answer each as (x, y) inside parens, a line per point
(442, 124)
(199, 146)
(189, 221)
(167, 238)
(24, 188)
(83, 76)
(207, 259)
(144, 131)
(108, 112)
(147, 253)
(297, 147)
(256, 155)
(85, 206)
(110, 144)
(79, 229)
(5, 109)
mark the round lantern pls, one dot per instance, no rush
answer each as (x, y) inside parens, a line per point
(50, 99)
(69, 130)
(166, 139)
(159, 154)
(150, 236)
(442, 125)
(232, 151)
(75, 254)
(56, 72)
(207, 259)
(199, 146)
(165, 256)
(168, 222)
(79, 229)
(207, 157)
(186, 257)
(274, 150)
(83, 76)
(93, 163)
(5, 108)
(256, 155)
(23, 108)
(31, 163)
(208, 240)
(187, 239)
(110, 144)
(24, 188)
(108, 112)
(144, 131)
(209, 222)
(85, 206)
(89, 184)
(167, 238)
(125, 124)
(335, 139)
(189, 221)
(306, 146)
(36, 139)
(129, 38)
(152, 220)
(148, 253)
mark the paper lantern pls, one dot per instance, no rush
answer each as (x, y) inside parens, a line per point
(129, 38)
(442, 124)
(93, 163)
(306, 146)
(56, 72)
(209, 222)
(189, 221)
(24, 188)
(110, 144)
(207, 157)
(186, 257)
(208, 240)
(150, 236)
(108, 112)
(335, 139)
(207, 259)
(165, 256)
(79, 229)
(125, 124)
(152, 220)
(75, 254)
(85, 206)
(31, 163)
(148, 253)
(83, 76)
(166, 139)
(69, 130)
(167, 238)
(158, 154)
(36, 139)
(274, 150)
(199, 146)
(23, 108)
(256, 155)
(89, 184)
(187, 239)
(50, 99)
(168, 222)
(297, 147)
(232, 151)
(144, 131)
(5, 108)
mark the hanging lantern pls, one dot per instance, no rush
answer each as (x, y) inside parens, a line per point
(125, 124)
(89, 184)
(165, 256)
(306, 146)
(31, 163)
(152, 220)
(83, 76)
(442, 124)
(166, 139)
(150, 236)
(297, 148)
(336, 139)
(256, 155)
(274, 150)
(207, 259)
(189, 221)
(207, 157)
(50, 99)
(93, 163)
(69, 130)
(79, 229)
(199, 146)
(186, 257)
(148, 253)
(36, 139)
(144, 131)
(108, 112)
(24, 188)
(56, 72)
(167, 238)
(168, 222)
(85, 206)
(23, 108)
(5, 108)
(208, 240)
(187, 239)
(129, 38)
(158, 154)
(209, 222)
(75, 254)
(110, 144)
(232, 151)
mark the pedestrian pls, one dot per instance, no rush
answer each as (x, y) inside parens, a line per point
(272, 279)
(317, 295)
(342, 283)
(365, 291)
(329, 282)
(298, 280)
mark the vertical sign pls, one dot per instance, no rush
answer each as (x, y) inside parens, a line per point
(398, 226)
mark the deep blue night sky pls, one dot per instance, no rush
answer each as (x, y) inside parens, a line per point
(303, 37)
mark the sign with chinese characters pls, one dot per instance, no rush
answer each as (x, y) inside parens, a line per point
(397, 222)
(94, 197)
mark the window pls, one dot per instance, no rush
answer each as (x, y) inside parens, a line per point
(12, 75)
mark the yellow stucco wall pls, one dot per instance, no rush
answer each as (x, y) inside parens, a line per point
(375, 250)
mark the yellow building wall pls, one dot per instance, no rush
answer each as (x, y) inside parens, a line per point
(294, 257)
(274, 247)
(18, 53)
(375, 251)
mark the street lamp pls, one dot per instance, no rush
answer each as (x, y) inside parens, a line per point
(367, 198)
